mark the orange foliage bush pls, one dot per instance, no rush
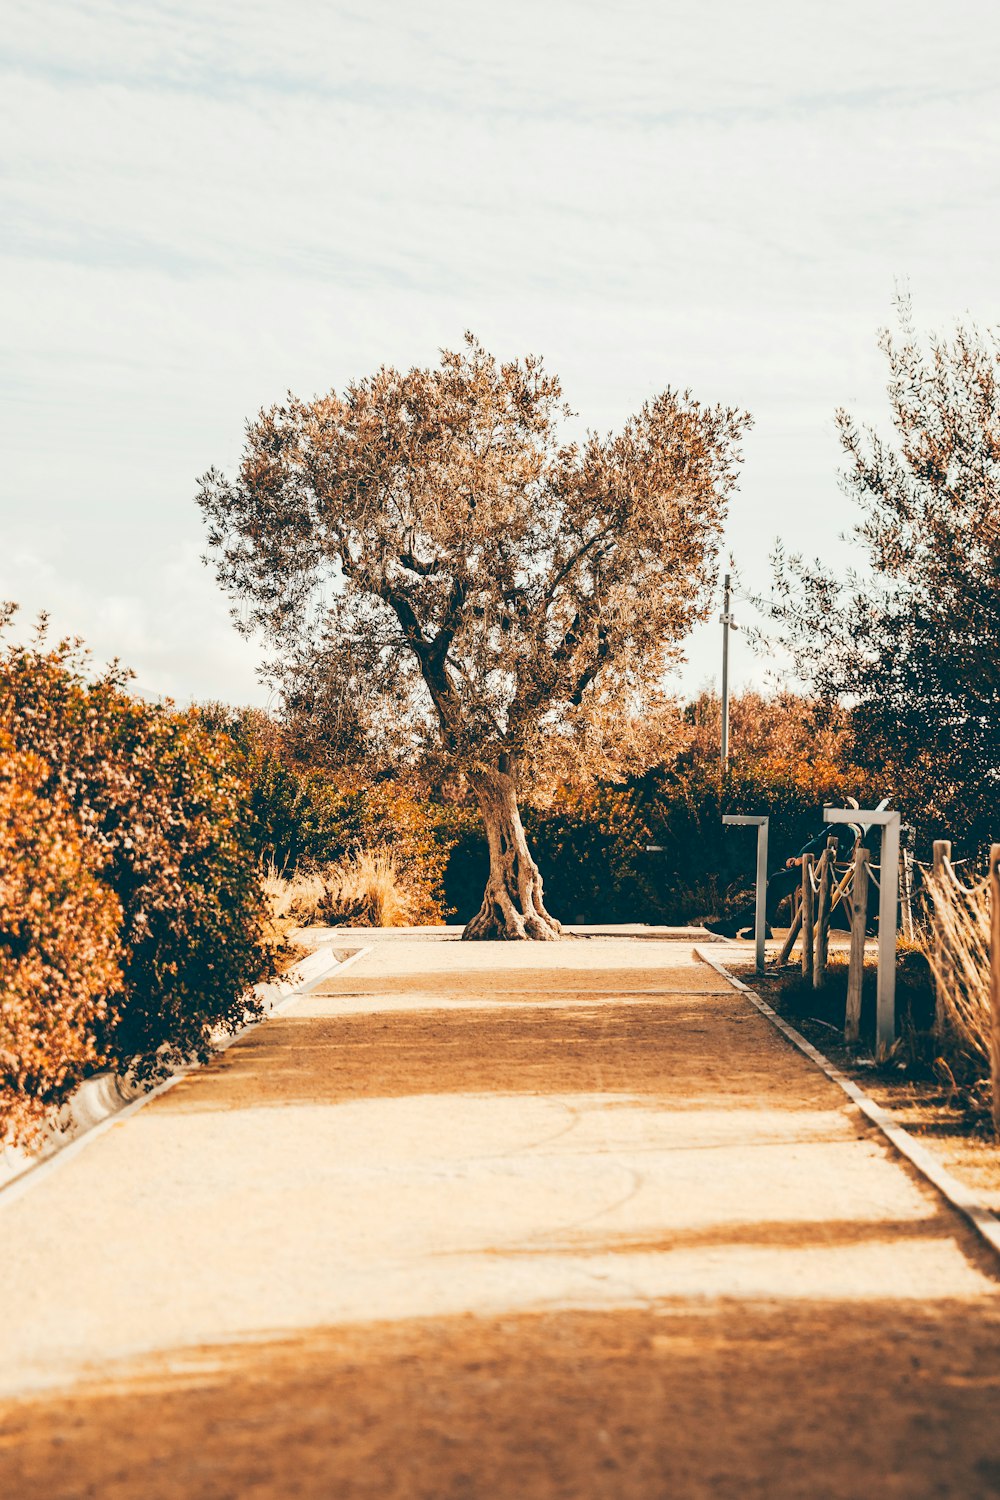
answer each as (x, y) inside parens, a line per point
(165, 808)
(59, 949)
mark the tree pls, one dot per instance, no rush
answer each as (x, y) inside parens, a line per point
(911, 639)
(427, 542)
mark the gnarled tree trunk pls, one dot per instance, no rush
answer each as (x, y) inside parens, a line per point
(512, 906)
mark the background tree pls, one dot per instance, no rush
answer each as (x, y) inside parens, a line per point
(911, 639)
(428, 541)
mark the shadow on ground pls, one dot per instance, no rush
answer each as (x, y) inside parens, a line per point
(448, 979)
(775, 1234)
(729, 1401)
(672, 1051)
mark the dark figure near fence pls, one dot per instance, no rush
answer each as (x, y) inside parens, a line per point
(787, 880)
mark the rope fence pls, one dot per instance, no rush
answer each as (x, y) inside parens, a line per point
(959, 931)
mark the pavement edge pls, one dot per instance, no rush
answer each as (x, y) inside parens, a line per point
(954, 1192)
(104, 1101)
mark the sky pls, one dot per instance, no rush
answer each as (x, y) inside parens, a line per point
(203, 207)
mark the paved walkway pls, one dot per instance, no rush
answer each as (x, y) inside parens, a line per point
(486, 1221)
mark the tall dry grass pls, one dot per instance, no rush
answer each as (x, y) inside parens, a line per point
(371, 887)
(294, 901)
(956, 941)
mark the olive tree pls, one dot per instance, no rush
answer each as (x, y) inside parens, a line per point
(432, 538)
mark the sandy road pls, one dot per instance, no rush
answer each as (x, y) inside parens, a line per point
(484, 1221)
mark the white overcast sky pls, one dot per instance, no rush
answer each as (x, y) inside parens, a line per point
(205, 205)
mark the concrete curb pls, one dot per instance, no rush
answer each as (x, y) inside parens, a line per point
(954, 1192)
(106, 1100)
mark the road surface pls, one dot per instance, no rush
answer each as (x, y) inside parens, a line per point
(491, 1220)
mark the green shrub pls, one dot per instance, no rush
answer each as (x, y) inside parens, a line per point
(307, 820)
(59, 950)
(591, 844)
(707, 867)
(296, 814)
(163, 804)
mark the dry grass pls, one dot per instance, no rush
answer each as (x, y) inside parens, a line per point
(368, 888)
(957, 945)
(371, 889)
(287, 905)
(294, 902)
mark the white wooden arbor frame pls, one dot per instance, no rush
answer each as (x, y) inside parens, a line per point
(888, 906)
(885, 1004)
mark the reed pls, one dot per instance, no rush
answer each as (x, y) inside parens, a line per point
(956, 942)
(370, 887)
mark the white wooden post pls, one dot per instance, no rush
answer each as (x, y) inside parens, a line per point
(822, 943)
(995, 985)
(808, 918)
(888, 907)
(859, 927)
(760, 910)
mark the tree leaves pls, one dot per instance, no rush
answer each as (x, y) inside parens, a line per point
(912, 639)
(163, 807)
(430, 539)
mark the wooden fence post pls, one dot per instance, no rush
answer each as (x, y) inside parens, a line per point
(793, 933)
(822, 938)
(942, 968)
(906, 892)
(807, 917)
(859, 924)
(995, 983)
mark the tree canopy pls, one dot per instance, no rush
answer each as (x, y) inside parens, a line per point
(428, 553)
(910, 639)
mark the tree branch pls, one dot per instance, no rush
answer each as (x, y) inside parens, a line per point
(568, 567)
(441, 644)
(593, 667)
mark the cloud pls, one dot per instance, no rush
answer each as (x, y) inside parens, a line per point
(208, 205)
(171, 628)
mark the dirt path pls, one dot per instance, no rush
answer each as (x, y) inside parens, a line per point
(481, 1221)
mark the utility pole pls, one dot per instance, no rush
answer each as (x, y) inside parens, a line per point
(728, 623)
